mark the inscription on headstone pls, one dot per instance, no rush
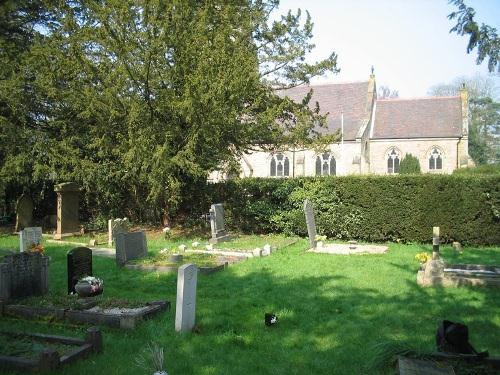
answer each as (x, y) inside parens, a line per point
(29, 237)
(79, 261)
(185, 311)
(116, 226)
(24, 212)
(130, 246)
(310, 222)
(67, 209)
(217, 224)
(23, 275)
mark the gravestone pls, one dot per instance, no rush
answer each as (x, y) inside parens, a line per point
(29, 237)
(79, 261)
(217, 224)
(24, 212)
(23, 275)
(185, 310)
(67, 209)
(129, 246)
(116, 226)
(310, 222)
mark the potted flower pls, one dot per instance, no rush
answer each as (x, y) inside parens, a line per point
(89, 286)
(423, 258)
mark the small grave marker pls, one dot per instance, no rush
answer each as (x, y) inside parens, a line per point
(129, 246)
(79, 261)
(217, 224)
(311, 223)
(29, 237)
(185, 311)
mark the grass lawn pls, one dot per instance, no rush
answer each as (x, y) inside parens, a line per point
(332, 310)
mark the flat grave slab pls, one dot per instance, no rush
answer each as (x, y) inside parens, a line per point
(436, 272)
(123, 318)
(347, 249)
(48, 358)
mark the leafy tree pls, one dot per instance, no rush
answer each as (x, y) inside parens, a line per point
(483, 37)
(409, 165)
(139, 100)
(484, 129)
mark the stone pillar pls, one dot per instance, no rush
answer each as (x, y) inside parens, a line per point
(185, 307)
(94, 337)
(435, 242)
(67, 209)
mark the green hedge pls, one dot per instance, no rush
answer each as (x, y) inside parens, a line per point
(369, 208)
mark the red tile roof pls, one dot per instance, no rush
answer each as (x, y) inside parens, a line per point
(349, 98)
(418, 118)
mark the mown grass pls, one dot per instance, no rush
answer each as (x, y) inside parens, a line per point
(332, 311)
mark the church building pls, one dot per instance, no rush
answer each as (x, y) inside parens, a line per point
(376, 134)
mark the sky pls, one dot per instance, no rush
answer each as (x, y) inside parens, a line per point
(407, 41)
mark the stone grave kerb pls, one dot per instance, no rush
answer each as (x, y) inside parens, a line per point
(68, 195)
(310, 222)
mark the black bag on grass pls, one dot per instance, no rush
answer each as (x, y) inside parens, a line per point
(454, 338)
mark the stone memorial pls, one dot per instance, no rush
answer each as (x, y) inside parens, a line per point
(435, 242)
(185, 311)
(29, 237)
(217, 224)
(67, 210)
(116, 226)
(129, 246)
(24, 212)
(23, 275)
(310, 222)
(79, 261)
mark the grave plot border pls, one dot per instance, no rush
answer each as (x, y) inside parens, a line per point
(121, 321)
(433, 273)
(50, 359)
(167, 269)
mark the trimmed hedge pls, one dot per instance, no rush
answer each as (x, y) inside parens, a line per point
(369, 208)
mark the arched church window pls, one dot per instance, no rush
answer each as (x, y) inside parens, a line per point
(280, 166)
(393, 159)
(436, 159)
(326, 165)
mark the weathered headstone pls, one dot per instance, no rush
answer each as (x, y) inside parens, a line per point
(310, 222)
(435, 242)
(67, 209)
(116, 226)
(457, 246)
(29, 237)
(24, 212)
(129, 246)
(217, 224)
(185, 311)
(79, 261)
(23, 275)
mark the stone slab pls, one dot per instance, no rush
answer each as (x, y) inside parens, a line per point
(129, 246)
(185, 311)
(348, 249)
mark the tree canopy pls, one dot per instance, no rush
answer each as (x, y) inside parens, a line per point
(139, 100)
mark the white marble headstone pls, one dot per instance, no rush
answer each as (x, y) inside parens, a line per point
(185, 310)
(29, 237)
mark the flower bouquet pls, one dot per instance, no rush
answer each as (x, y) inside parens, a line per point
(89, 286)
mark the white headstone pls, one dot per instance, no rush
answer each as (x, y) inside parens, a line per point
(311, 223)
(29, 237)
(185, 307)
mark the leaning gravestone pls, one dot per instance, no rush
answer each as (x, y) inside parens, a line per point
(185, 307)
(23, 275)
(24, 212)
(311, 223)
(67, 209)
(79, 262)
(29, 237)
(217, 224)
(129, 246)
(116, 226)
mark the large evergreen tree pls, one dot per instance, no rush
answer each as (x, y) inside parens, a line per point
(139, 100)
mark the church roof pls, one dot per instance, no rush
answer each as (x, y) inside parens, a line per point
(418, 118)
(351, 99)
